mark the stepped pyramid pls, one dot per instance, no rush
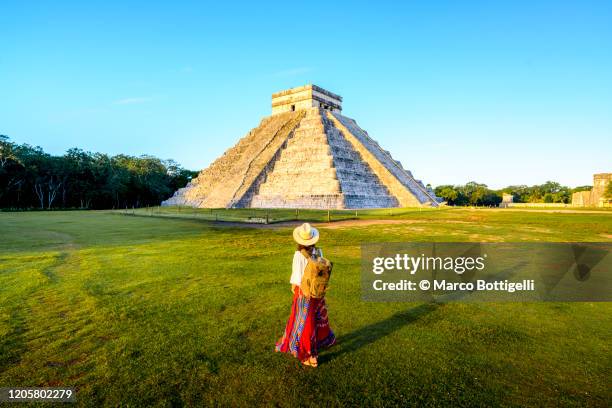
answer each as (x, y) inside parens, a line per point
(305, 155)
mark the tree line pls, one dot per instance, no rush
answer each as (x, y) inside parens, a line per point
(32, 178)
(477, 194)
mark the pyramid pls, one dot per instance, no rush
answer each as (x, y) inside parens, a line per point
(305, 155)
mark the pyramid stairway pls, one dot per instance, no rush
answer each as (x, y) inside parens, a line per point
(320, 169)
(230, 177)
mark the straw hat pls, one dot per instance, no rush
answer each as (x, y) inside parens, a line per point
(306, 234)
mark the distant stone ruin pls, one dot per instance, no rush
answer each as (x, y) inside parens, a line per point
(507, 200)
(306, 155)
(595, 197)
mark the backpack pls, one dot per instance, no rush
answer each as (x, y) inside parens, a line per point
(316, 276)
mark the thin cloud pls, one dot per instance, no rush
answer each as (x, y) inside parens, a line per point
(293, 71)
(130, 101)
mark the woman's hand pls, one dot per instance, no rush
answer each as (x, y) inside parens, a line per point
(293, 288)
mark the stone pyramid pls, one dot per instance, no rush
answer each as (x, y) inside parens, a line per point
(305, 155)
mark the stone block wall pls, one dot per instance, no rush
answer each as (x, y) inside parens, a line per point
(305, 97)
(596, 197)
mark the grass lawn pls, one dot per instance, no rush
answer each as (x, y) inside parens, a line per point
(260, 215)
(165, 311)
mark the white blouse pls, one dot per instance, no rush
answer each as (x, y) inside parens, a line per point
(299, 264)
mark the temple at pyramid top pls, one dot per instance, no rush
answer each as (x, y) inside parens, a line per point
(307, 154)
(307, 96)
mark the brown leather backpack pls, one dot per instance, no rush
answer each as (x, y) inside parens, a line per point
(316, 276)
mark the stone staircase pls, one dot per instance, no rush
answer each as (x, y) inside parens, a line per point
(360, 186)
(303, 176)
(320, 169)
(394, 167)
(229, 177)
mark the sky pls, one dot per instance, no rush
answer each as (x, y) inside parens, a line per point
(501, 93)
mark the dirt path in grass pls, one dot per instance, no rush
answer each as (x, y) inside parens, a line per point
(66, 249)
(330, 225)
(276, 225)
(366, 223)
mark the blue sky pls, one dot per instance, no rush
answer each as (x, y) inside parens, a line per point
(497, 92)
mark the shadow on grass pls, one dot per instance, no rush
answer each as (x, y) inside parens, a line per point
(369, 334)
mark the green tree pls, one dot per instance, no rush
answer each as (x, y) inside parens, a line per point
(472, 193)
(29, 177)
(448, 193)
(11, 168)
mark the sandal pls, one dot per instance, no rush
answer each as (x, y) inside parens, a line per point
(311, 362)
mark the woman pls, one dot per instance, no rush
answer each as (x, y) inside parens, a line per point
(307, 329)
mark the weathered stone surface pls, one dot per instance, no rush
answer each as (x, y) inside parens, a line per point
(304, 97)
(596, 197)
(581, 199)
(229, 178)
(507, 199)
(401, 183)
(309, 158)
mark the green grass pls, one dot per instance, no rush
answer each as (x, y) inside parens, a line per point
(269, 216)
(164, 311)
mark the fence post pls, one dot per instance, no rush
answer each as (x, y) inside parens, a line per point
(328, 216)
(267, 216)
(297, 214)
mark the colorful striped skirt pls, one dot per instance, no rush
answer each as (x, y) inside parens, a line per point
(307, 329)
